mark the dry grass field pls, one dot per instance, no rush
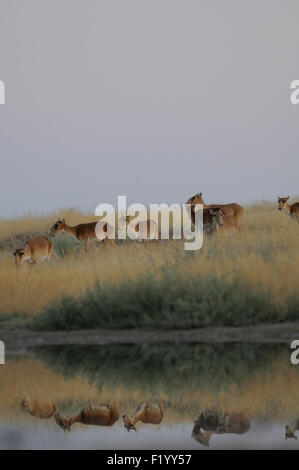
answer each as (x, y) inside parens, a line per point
(263, 260)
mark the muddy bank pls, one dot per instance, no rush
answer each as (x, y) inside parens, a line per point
(17, 336)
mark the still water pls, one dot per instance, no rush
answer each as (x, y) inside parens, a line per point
(191, 396)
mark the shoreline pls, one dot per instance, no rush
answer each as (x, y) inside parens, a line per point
(17, 337)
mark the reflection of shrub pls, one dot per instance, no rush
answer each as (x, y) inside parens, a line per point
(172, 301)
(167, 365)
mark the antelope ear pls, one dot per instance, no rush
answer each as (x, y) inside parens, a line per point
(287, 197)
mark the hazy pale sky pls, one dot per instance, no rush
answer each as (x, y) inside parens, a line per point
(154, 99)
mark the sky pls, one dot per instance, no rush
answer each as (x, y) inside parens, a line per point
(153, 99)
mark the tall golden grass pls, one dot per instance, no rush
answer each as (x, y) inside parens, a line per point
(265, 255)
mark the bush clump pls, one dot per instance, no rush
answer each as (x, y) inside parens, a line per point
(170, 302)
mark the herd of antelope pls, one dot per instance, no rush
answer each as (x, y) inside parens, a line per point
(216, 218)
(210, 421)
(102, 415)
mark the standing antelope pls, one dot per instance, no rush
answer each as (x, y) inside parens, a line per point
(143, 231)
(84, 231)
(233, 208)
(41, 410)
(215, 422)
(214, 220)
(230, 222)
(35, 249)
(291, 209)
(291, 428)
(211, 219)
(103, 415)
(146, 413)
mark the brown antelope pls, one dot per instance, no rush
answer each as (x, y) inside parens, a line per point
(291, 429)
(214, 220)
(41, 410)
(103, 415)
(84, 231)
(35, 249)
(291, 209)
(146, 413)
(230, 222)
(211, 219)
(214, 422)
(233, 208)
(145, 230)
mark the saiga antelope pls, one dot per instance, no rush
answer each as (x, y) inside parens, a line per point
(41, 410)
(233, 208)
(103, 415)
(146, 413)
(212, 219)
(84, 231)
(213, 422)
(291, 428)
(143, 231)
(34, 250)
(291, 209)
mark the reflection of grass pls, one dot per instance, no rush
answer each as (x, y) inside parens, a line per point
(259, 380)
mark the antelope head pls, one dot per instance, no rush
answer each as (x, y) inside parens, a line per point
(65, 424)
(217, 216)
(282, 201)
(58, 227)
(128, 423)
(19, 254)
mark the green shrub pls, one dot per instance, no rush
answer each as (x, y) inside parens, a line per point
(171, 302)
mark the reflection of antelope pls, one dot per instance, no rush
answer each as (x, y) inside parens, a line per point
(227, 209)
(85, 231)
(215, 422)
(144, 230)
(38, 409)
(103, 415)
(146, 413)
(291, 429)
(35, 249)
(291, 209)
